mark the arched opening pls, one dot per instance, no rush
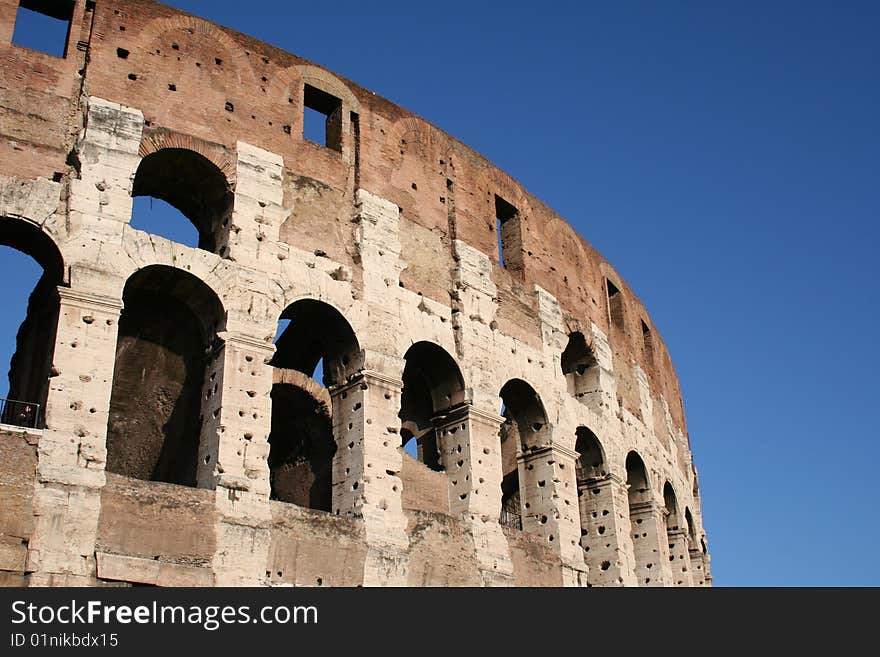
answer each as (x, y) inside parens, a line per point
(644, 530)
(697, 551)
(30, 319)
(525, 428)
(691, 529)
(184, 183)
(432, 385)
(314, 340)
(579, 366)
(593, 505)
(591, 460)
(167, 336)
(672, 521)
(637, 480)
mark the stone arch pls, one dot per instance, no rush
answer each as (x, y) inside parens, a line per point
(31, 363)
(285, 86)
(580, 366)
(637, 479)
(525, 428)
(195, 186)
(168, 334)
(155, 29)
(646, 535)
(335, 99)
(429, 137)
(591, 463)
(302, 441)
(326, 81)
(492, 180)
(670, 503)
(432, 386)
(317, 331)
(691, 528)
(525, 415)
(157, 139)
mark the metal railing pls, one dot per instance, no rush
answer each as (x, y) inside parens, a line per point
(20, 413)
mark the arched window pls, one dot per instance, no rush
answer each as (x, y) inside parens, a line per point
(30, 319)
(593, 506)
(591, 461)
(525, 428)
(167, 336)
(643, 535)
(672, 521)
(637, 480)
(432, 385)
(579, 366)
(192, 193)
(691, 529)
(315, 339)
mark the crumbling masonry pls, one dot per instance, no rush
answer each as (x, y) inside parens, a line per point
(174, 441)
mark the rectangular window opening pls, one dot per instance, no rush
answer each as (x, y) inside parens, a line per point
(508, 234)
(322, 118)
(355, 122)
(43, 25)
(615, 304)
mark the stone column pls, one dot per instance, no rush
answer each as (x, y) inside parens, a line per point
(700, 574)
(72, 451)
(237, 409)
(258, 210)
(679, 558)
(366, 470)
(468, 442)
(649, 544)
(233, 453)
(550, 505)
(471, 456)
(108, 151)
(604, 511)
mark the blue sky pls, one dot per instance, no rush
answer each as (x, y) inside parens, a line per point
(724, 157)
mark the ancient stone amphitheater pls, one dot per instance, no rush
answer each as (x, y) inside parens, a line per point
(161, 434)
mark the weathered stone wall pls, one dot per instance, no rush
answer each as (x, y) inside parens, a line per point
(391, 228)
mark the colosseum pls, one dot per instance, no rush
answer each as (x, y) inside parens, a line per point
(496, 407)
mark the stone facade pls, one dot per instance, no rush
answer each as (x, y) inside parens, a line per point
(182, 444)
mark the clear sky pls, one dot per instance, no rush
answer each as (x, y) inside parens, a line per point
(724, 158)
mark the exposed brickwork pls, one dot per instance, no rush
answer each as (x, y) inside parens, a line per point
(390, 235)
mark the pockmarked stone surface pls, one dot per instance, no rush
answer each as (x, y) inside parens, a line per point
(383, 363)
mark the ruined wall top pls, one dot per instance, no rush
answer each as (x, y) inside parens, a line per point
(204, 87)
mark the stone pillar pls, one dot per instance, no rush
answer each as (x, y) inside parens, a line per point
(550, 505)
(233, 453)
(471, 456)
(468, 442)
(602, 398)
(366, 470)
(679, 558)
(237, 409)
(258, 210)
(646, 402)
(108, 152)
(649, 544)
(72, 451)
(604, 511)
(700, 574)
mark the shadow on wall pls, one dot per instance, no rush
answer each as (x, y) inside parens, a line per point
(167, 336)
(313, 340)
